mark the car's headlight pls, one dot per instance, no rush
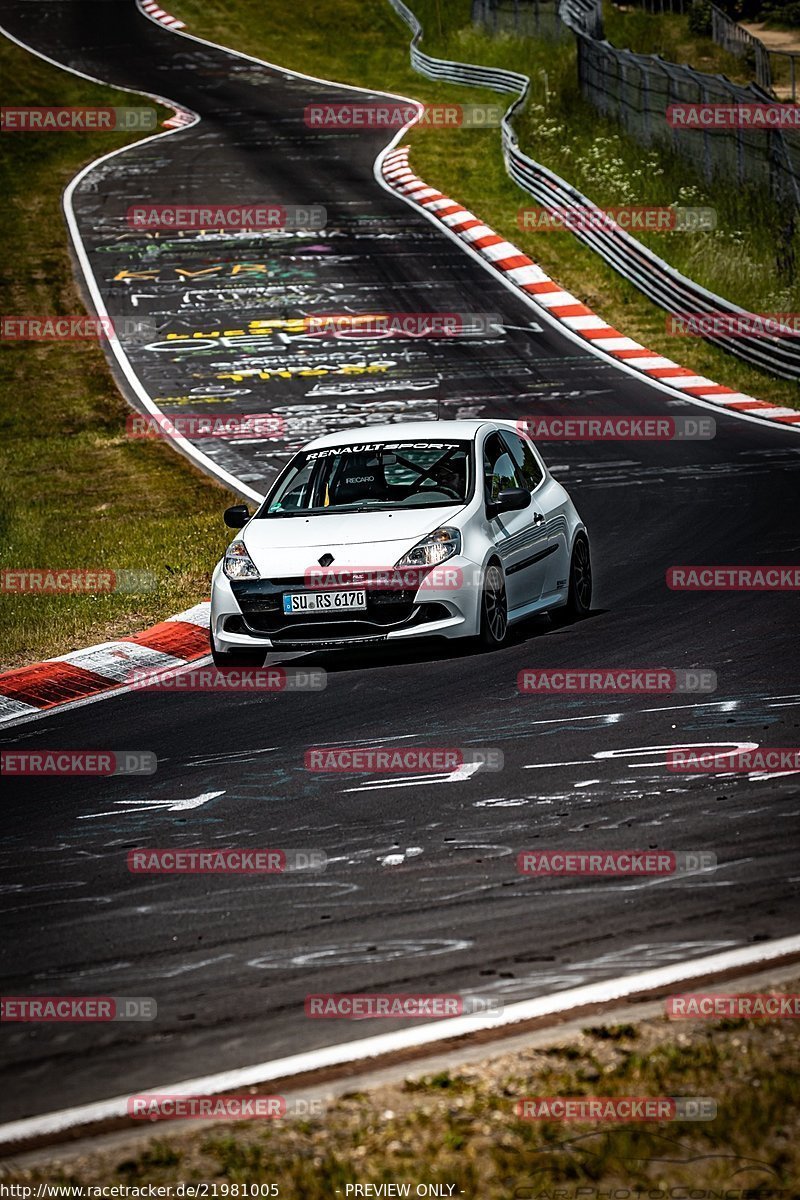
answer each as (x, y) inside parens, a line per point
(237, 563)
(434, 549)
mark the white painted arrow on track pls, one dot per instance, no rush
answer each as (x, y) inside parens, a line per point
(458, 775)
(142, 806)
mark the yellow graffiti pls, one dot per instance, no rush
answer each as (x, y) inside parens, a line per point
(195, 399)
(290, 372)
(314, 324)
(217, 269)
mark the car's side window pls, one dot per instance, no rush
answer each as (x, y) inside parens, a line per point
(525, 460)
(499, 470)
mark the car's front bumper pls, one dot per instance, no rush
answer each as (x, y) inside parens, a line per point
(248, 614)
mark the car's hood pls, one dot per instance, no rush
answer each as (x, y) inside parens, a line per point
(292, 545)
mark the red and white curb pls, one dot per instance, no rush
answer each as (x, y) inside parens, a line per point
(157, 13)
(106, 667)
(524, 273)
(181, 119)
(152, 10)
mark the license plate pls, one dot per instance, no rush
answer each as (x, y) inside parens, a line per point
(303, 602)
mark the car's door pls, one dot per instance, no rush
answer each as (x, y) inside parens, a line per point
(548, 499)
(520, 537)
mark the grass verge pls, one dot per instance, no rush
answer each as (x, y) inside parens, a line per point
(365, 43)
(459, 1128)
(74, 491)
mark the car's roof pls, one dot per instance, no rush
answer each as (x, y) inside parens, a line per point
(405, 431)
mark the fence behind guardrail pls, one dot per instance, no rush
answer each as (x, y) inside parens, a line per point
(739, 41)
(631, 258)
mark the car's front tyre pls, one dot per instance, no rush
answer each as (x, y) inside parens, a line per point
(494, 608)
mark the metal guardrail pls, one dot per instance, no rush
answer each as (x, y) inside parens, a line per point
(792, 56)
(732, 37)
(737, 40)
(660, 282)
(583, 16)
(638, 89)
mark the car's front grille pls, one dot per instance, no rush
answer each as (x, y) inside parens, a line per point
(261, 602)
(337, 626)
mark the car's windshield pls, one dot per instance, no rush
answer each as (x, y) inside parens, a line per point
(374, 475)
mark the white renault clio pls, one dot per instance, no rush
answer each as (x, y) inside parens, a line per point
(422, 529)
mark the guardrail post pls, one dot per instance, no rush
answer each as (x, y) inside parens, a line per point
(654, 277)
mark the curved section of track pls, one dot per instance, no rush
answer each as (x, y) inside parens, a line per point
(230, 960)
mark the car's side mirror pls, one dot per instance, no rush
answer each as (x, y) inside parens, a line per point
(513, 499)
(237, 516)
(509, 500)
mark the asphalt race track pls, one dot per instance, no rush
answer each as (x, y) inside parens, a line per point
(421, 892)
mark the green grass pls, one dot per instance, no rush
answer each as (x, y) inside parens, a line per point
(562, 131)
(460, 1127)
(74, 491)
(669, 35)
(363, 42)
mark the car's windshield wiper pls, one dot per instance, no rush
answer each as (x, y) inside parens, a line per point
(363, 508)
(331, 508)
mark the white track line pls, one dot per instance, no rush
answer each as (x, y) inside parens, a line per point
(539, 309)
(405, 1039)
(201, 460)
(182, 444)
(368, 1048)
(547, 318)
